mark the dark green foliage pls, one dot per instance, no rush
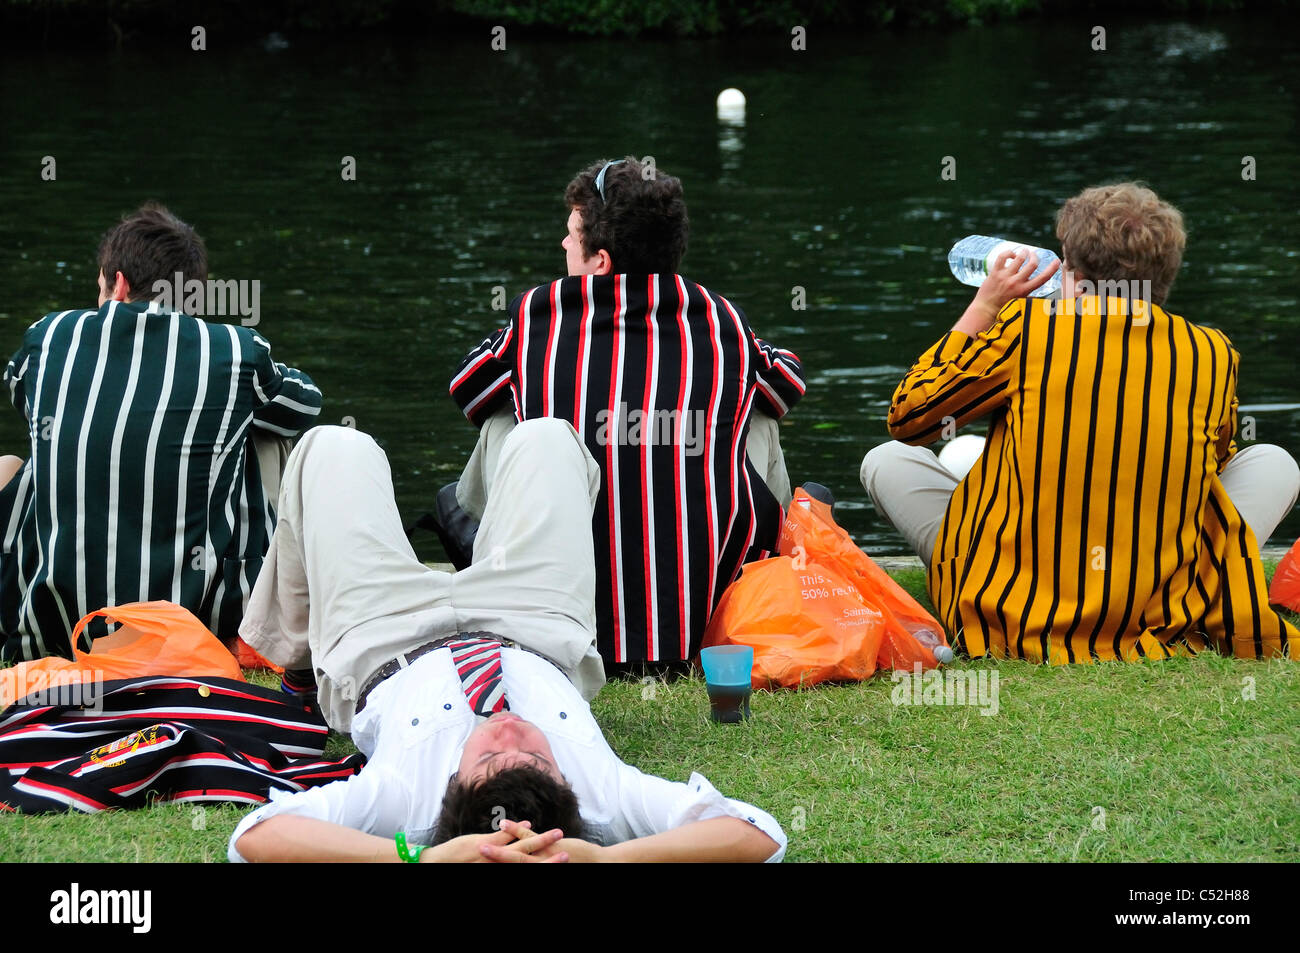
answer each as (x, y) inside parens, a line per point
(65, 22)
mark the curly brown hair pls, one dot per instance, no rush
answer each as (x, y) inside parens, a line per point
(641, 221)
(1123, 232)
(522, 793)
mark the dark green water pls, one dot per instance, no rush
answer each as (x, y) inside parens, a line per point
(377, 287)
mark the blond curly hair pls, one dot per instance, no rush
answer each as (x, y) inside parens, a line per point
(1123, 232)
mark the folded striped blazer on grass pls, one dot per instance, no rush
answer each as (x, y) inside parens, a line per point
(163, 738)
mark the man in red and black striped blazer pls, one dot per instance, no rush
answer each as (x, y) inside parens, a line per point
(674, 395)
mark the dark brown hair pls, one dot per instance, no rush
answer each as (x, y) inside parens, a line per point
(641, 222)
(522, 793)
(1123, 232)
(150, 245)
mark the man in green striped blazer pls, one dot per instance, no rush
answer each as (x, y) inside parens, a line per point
(142, 480)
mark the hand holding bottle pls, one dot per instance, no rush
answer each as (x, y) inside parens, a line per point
(1011, 277)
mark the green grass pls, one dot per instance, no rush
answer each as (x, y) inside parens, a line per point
(1182, 760)
(913, 580)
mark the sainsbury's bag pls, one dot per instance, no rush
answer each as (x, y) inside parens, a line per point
(1284, 590)
(806, 625)
(155, 638)
(822, 610)
(911, 634)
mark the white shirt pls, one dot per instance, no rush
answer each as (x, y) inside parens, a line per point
(413, 730)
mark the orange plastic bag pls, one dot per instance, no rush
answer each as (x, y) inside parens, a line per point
(823, 611)
(155, 638)
(249, 657)
(911, 634)
(806, 625)
(1284, 590)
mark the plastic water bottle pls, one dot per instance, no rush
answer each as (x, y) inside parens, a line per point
(930, 639)
(973, 257)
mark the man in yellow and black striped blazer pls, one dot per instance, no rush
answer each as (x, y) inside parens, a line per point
(1110, 515)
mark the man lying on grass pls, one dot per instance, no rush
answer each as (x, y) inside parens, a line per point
(434, 674)
(1111, 515)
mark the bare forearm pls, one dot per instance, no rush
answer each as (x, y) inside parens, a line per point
(977, 318)
(293, 839)
(718, 840)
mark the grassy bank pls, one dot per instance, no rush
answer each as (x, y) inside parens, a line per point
(1188, 759)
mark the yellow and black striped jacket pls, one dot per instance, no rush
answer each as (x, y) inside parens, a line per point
(1095, 525)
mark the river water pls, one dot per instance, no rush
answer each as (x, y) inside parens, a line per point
(378, 286)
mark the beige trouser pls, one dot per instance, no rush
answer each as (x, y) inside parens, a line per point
(272, 452)
(911, 489)
(343, 592)
(763, 449)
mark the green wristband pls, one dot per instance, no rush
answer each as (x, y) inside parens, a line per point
(409, 854)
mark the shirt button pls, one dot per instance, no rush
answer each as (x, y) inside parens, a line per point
(752, 821)
(414, 722)
(563, 715)
(447, 707)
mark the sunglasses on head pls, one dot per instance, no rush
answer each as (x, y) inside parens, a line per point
(600, 178)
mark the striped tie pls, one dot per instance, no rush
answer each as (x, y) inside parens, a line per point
(478, 663)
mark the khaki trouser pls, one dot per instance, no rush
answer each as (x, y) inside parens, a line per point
(272, 452)
(911, 489)
(763, 449)
(342, 591)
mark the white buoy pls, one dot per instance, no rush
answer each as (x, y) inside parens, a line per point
(731, 105)
(960, 454)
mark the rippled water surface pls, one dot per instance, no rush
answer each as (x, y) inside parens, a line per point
(377, 287)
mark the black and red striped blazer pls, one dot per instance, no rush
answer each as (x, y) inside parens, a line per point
(128, 743)
(660, 376)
